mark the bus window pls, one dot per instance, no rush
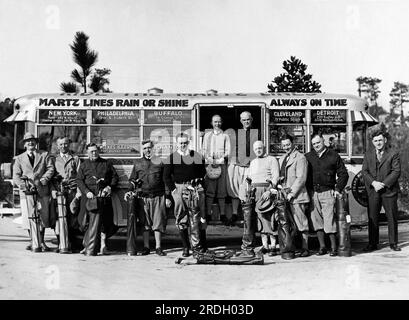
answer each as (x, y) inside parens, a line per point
(53, 124)
(332, 124)
(334, 137)
(161, 126)
(287, 122)
(117, 140)
(164, 138)
(117, 132)
(298, 132)
(359, 139)
(48, 135)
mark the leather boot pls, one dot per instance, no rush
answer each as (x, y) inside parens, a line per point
(184, 236)
(203, 240)
(42, 241)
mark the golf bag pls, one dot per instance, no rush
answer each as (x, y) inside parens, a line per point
(343, 224)
(286, 225)
(64, 245)
(133, 220)
(249, 217)
(191, 197)
(227, 257)
(31, 194)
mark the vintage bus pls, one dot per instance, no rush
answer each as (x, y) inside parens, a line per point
(118, 122)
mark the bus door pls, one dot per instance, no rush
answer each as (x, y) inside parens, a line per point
(230, 114)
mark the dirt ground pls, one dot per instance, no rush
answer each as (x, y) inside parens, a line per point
(382, 274)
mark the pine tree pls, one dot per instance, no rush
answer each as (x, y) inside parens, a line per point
(399, 96)
(85, 58)
(368, 89)
(295, 79)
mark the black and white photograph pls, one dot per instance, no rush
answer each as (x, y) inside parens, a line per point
(203, 156)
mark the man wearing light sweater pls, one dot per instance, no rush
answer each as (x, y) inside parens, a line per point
(261, 169)
(216, 150)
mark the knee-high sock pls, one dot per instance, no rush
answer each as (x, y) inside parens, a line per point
(222, 206)
(145, 238)
(273, 241)
(320, 235)
(304, 240)
(209, 202)
(235, 202)
(158, 238)
(103, 239)
(42, 233)
(333, 240)
(264, 240)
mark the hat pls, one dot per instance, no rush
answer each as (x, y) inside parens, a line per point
(266, 203)
(92, 204)
(29, 136)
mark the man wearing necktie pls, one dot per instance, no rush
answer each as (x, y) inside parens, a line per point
(37, 166)
(31, 158)
(67, 165)
(293, 172)
(239, 161)
(381, 171)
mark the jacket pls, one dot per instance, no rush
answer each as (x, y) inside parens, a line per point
(387, 171)
(67, 169)
(90, 171)
(296, 176)
(43, 169)
(151, 172)
(328, 171)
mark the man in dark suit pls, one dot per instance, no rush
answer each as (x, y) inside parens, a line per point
(95, 178)
(381, 170)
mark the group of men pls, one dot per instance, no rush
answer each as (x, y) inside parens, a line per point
(88, 181)
(185, 182)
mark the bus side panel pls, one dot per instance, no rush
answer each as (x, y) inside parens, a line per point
(357, 211)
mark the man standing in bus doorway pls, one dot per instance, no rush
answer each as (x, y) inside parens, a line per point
(262, 169)
(38, 167)
(381, 171)
(67, 165)
(151, 204)
(216, 150)
(327, 177)
(239, 161)
(96, 177)
(293, 175)
(181, 168)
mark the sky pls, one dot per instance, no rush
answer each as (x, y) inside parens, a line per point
(197, 45)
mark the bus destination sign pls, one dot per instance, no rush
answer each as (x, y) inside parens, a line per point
(62, 116)
(285, 116)
(328, 116)
(115, 116)
(167, 116)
